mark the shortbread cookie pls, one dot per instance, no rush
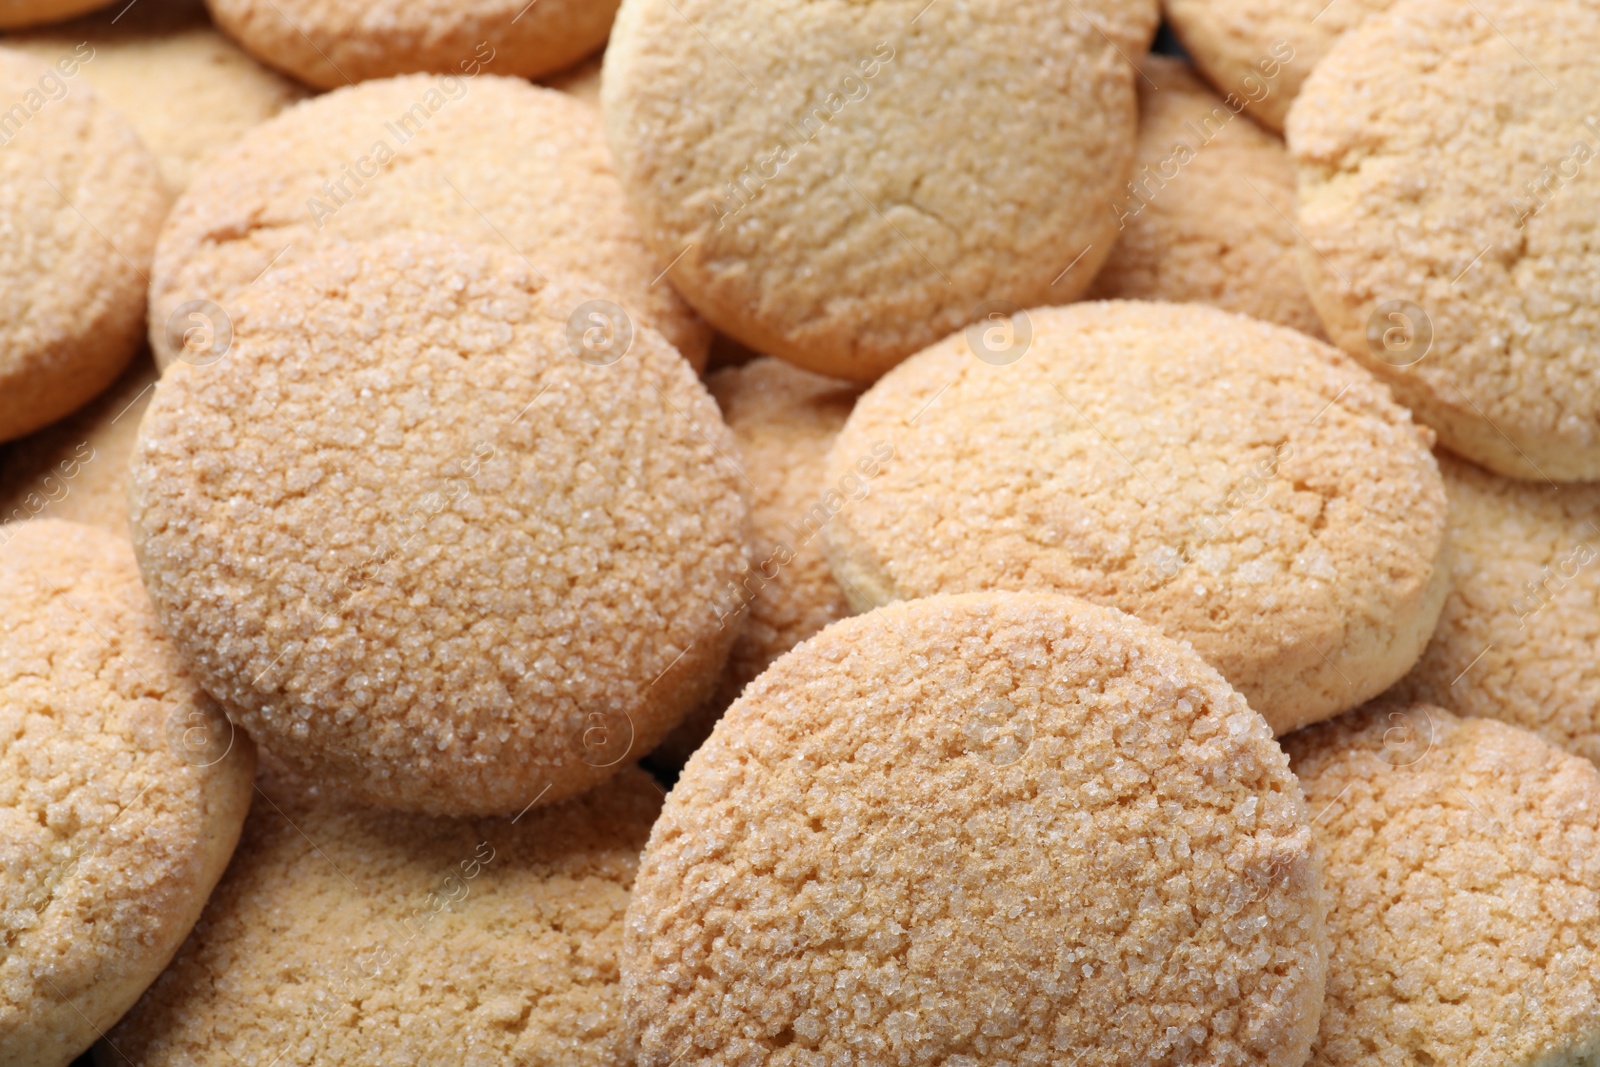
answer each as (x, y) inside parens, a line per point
(581, 81)
(854, 181)
(1462, 877)
(122, 791)
(1258, 52)
(16, 13)
(77, 469)
(1518, 636)
(331, 43)
(996, 828)
(347, 936)
(485, 159)
(784, 419)
(81, 204)
(1207, 215)
(428, 548)
(1237, 484)
(188, 91)
(1449, 202)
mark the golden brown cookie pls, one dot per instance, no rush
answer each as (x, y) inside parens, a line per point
(994, 828)
(80, 203)
(122, 791)
(853, 181)
(1238, 485)
(485, 159)
(1449, 202)
(1207, 216)
(1462, 877)
(347, 936)
(784, 419)
(428, 547)
(16, 13)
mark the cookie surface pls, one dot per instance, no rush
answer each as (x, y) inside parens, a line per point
(424, 550)
(80, 203)
(346, 936)
(1449, 210)
(1516, 640)
(784, 419)
(833, 197)
(1208, 216)
(484, 159)
(122, 790)
(332, 43)
(987, 828)
(1462, 876)
(1294, 538)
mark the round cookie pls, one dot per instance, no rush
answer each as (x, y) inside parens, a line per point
(187, 90)
(17, 13)
(330, 43)
(487, 159)
(994, 828)
(1207, 215)
(1258, 52)
(1449, 208)
(122, 791)
(77, 469)
(421, 548)
(783, 419)
(1462, 881)
(80, 204)
(834, 197)
(1236, 484)
(1516, 640)
(348, 936)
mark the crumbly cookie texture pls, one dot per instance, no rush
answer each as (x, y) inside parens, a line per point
(1239, 485)
(1462, 862)
(486, 159)
(1206, 216)
(1449, 206)
(852, 181)
(333, 43)
(80, 204)
(344, 936)
(1260, 51)
(77, 469)
(425, 551)
(994, 828)
(1517, 638)
(122, 790)
(784, 419)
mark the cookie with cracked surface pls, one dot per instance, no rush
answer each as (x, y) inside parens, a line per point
(346, 936)
(1516, 640)
(1462, 879)
(122, 790)
(1239, 485)
(1449, 208)
(332, 43)
(784, 419)
(81, 202)
(423, 550)
(486, 159)
(1206, 216)
(834, 197)
(1048, 799)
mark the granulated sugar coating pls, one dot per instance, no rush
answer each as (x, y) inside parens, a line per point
(1448, 198)
(348, 937)
(1463, 874)
(485, 159)
(994, 828)
(424, 550)
(122, 791)
(1239, 485)
(843, 183)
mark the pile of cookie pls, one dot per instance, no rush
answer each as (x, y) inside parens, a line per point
(824, 533)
